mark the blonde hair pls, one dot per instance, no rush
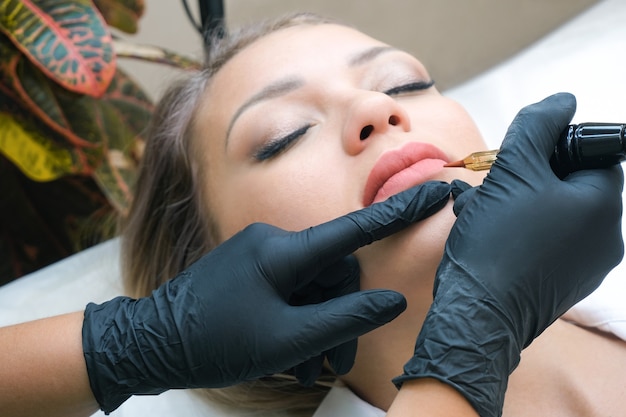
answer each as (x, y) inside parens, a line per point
(168, 228)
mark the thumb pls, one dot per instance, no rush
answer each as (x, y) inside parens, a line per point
(462, 192)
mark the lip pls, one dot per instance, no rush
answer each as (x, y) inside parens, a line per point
(401, 169)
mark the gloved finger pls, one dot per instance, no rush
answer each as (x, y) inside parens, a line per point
(316, 248)
(458, 187)
(530, 140)
(341, 278)
(307, 372)
(340, 321)
(601, 200)
(604, 181)
(341, 358)
(462, 192)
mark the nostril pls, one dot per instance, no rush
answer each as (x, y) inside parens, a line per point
(394, 120)
(366, 132)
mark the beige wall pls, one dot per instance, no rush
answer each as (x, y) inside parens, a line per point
(456, 39)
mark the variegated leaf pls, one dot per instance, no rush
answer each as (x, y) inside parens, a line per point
(69, 41)
(125, 111)
(40, 96)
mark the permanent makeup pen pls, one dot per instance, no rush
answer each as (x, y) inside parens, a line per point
(581, 146)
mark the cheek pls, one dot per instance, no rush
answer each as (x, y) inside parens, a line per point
(447, 124)
(467, 139)
(292, 196)
(460, 123)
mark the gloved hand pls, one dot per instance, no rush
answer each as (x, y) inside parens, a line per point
(226, 318)
(525, 248)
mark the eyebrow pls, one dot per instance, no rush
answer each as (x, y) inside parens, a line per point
(272, 90)
(369, 55)
(284, 86)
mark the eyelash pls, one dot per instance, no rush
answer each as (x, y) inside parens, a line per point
(276, 147)
(410, 87)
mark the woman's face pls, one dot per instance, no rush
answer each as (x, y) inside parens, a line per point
(312, 122)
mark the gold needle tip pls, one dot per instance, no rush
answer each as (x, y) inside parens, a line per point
(459, 164)
(476, 161)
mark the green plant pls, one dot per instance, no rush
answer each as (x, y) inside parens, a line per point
(71, 124)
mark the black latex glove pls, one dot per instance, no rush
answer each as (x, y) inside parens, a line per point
(525, 248)
(227, 319)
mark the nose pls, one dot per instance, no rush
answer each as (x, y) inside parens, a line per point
(369, 115)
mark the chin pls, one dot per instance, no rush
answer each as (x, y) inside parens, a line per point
(409, 257)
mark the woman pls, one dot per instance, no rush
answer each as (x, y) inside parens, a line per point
(310, 120)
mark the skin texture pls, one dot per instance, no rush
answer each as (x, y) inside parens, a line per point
(343, 86)
(45, 357)
(324, 173)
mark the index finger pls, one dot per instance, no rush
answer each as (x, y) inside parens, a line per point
(321, 246)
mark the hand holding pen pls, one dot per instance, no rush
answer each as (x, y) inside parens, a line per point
(581, 146)
(524, 249)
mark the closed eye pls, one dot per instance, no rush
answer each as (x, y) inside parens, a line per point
(410, 87)
(274, 147)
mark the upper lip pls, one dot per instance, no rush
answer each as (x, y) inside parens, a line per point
(394, 161)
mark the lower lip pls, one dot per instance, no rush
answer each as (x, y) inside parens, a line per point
(411, 176)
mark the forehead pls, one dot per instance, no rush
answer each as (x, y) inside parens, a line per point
(296, 48)
(299, 51)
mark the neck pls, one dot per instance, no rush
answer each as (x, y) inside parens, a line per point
(405, 262)
(383, 352)
(568, 371)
